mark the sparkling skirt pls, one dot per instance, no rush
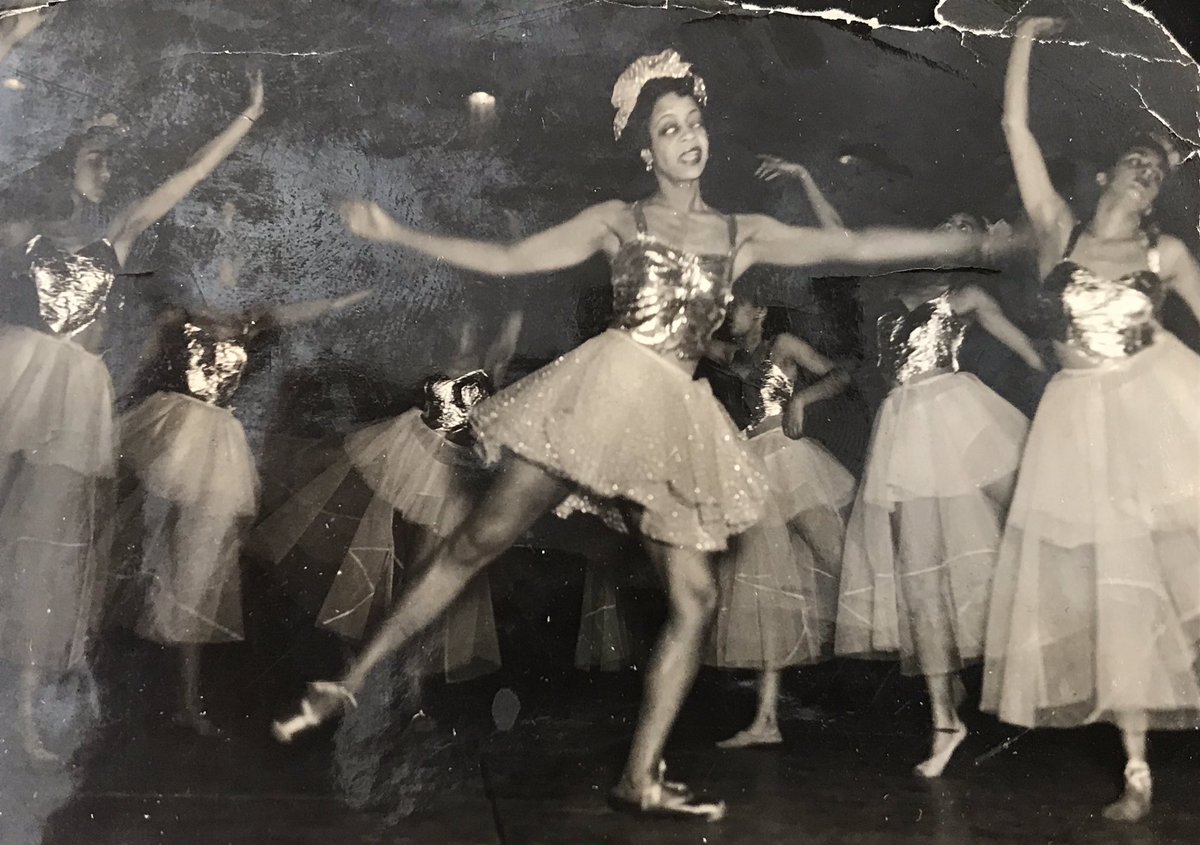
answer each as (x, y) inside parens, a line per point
(1096, 605)
(196, 490)
(433, 483)
(779, 580)
(629, 428)
(924, 533)
(57, 460)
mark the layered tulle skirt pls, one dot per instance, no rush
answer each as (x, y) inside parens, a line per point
(57, 461)
(779, 579)
(924, 533)
(433, 483)
(196, 490)
(638, 438)
(1096, 606)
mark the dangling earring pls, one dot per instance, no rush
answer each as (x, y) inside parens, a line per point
(649, 166)
(648, 160)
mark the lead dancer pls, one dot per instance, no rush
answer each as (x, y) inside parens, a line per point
(1096, 614)
(618, 425)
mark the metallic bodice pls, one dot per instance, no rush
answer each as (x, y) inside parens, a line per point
(667, 299)
(213, 366)
(772, 391)
(1103, 318)
(72, 287)
(448, 401)
(921, 341)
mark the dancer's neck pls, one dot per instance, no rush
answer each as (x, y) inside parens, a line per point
(679, 197)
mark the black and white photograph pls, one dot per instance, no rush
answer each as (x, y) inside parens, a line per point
(555, 422)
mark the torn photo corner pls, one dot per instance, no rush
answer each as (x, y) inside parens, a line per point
(631, 251)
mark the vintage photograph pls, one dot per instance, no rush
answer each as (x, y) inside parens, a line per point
(599, 421)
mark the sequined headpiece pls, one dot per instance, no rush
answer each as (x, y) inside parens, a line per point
(665, 65)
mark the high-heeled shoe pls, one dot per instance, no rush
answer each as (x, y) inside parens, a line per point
(324, 700)
(1134, 803)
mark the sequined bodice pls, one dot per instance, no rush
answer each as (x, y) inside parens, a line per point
(921, 341)
(668, 299)
(214, 365)
(448, 401)
(1103, 318)
(72, 287)
(772, 390)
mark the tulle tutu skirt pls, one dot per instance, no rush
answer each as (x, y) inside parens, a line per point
(57, 460)
(433, 483)
(629, 428)
(924, 533)
(1096, 607)
(196, 490)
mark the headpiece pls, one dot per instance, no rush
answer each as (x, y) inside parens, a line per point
(666, 65)
(1162, 143)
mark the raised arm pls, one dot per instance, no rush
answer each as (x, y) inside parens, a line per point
(1048, 212)
(304, 312)
(972, 301)
(770, 242)
(17, 25)
(144, 213)
(791, 349)
(562, 246)
(773, 167)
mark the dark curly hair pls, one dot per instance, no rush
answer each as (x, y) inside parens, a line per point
(636, 136)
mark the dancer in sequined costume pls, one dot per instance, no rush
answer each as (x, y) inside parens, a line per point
(420, 467)
(1096, 611)
(779, 580)
(618, 427)
(57, 440)
(196, 480)
(923, 536)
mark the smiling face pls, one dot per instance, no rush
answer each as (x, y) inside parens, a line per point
(678, 140)
(1137, 177)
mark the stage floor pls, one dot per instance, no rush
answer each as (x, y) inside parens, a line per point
(455, 774)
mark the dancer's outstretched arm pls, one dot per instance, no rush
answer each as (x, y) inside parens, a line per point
(144, 213)
(972, 301)
(773, 167)
(1049, 213)
(314, 309)
(17, 26)
(557, 248)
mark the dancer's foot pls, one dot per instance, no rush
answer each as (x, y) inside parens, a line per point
(753, 736)
(324, 700)
(679, 790)
(1134, 803)
(945, 743)
(654, 800)
(197, 721)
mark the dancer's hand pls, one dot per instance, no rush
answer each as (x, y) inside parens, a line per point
(793, 419)
(367, 220)
(1034, 28)
(255, 109)
(773, 167)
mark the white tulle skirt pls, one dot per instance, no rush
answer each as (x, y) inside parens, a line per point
(633, 433)
(924, 533)
(1096, 606)
(433, 483)
(779, 579)
(197, 490)
(57, 461)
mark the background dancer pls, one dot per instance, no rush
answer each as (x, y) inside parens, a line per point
(57, 444)
(196, 479)
(618, 424)
(1097, 594)
(923, 536)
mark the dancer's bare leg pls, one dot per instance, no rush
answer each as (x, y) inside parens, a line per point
(1134, 803)
(191, 713)
(30, 679)
(692, 597)
(764, 730)
(948, 729)
(521, 493)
